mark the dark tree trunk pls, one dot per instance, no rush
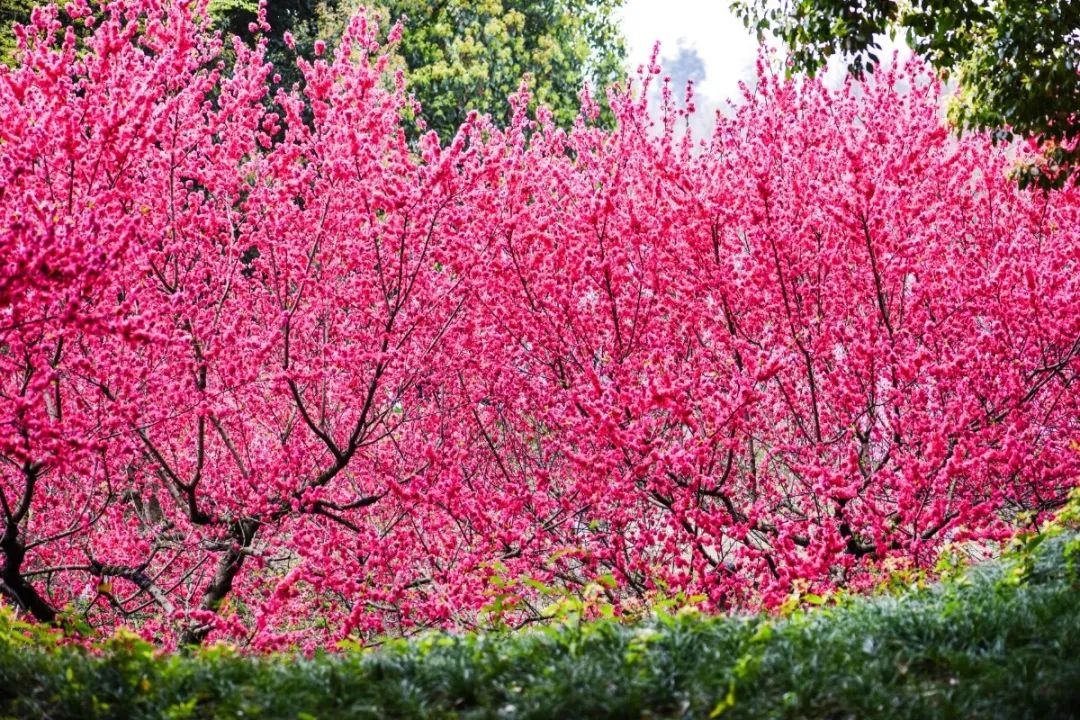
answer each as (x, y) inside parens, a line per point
(232, 559)
(13, 585)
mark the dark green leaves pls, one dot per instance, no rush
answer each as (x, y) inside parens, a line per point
(1016, 60)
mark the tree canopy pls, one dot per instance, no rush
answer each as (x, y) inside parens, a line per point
(461, 55)
(465, 55)
(1017, 61)
(270, 373)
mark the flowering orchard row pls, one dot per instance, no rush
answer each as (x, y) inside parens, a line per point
(269, 373)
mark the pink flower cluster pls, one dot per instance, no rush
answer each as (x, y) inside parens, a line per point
(271, 374)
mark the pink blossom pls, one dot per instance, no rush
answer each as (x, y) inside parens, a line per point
(262, 360)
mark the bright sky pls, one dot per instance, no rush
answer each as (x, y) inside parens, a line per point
(703, 40)
(706, 27)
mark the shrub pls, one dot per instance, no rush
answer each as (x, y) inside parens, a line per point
(990, 643)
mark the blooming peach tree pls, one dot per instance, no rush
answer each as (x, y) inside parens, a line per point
(828, 336)
(270, 373)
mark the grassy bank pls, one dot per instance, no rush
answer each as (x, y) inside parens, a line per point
(1001, 640)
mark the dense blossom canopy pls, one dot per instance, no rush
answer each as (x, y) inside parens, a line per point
(270, 373)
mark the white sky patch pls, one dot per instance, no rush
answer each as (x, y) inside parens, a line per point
(726, 48)
(690, 31)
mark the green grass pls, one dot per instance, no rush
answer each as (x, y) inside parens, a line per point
(1001, 640)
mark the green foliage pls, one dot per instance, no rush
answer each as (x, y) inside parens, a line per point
(232, 14)
(1018, 61)
(471, 55)
(223, 9)
(997, 640)
(464, 55)
(461, 55)
(12, 11)
(302, 18)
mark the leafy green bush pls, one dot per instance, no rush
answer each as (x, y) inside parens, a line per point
(998, 640)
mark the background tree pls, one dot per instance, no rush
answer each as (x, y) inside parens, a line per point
(464, 55)
(461, 55)
(302, 19)
(12, 11)
(233, 15)
(1017, 61)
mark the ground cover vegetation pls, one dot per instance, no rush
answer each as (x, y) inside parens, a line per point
(1000, 640)
(273, 374)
